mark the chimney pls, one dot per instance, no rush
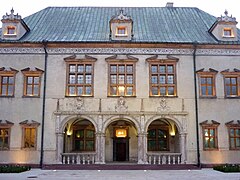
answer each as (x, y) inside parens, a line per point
(169, 4)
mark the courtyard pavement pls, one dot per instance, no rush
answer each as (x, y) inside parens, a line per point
(203, 174)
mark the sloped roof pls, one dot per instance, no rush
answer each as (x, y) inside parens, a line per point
(91, 24)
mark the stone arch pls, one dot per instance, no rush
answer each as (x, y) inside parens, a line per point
(67, 119)
(117, 118)
(175, 120)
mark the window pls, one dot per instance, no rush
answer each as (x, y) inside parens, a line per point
(122, 79)
(121, 31)
(163, 78)
(84, 140)
(29, 129)
(32, 82)
(7, 81)
(207, 87)
(158, 138)
(10, 30)
(209, 131)
(4, 138)
(234, 135)
(231, 83)
(80, 79)
(228, 32)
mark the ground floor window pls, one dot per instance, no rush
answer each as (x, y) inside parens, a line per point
(29, 137)
(4, 138)
(234, 138)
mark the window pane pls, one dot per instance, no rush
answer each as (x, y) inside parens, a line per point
(80, 90)
(211, 143)
(11, 80)
(113, 90)
(88, 90)
(90, 134)
(237, 142)
(170, 79)
(232, 132)
(206, 142)
(228, 90)
(162, 69)
(162, 91)
(154, 79)
(234, 80)
(234, 90)
(121, 79)
(212, 132)
(71, 90)
(113, 68)
(10, 90)
(162, 79)
(170, 69)
(29, 80)
(4, 90)
(121, 69)
(227, 80)
(129, 79)
(36, 90)
(154, 68)
(170, 91)
(88, 79)
(113, 79)
(80, 68)
(129, 69)
(154, 90)
(152, 133)
(80, 79)
(203, 80)
(4, 80)
(162, 133)
(72, 68)
(129, 91)
(89, 145)
(238, 132)
(210, 92)
(29, 90)
(204, 90)
(72, 79)
(209, 80)
(232, 143)
(151, 145)
(88, 68)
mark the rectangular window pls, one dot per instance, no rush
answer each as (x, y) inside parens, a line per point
(207, 87)
(11, 30)
(7, 85)
(84, 140)
(228, 32)
(210, 138)
(29, 137)
(163, 79)
(231, 86)
(158, 138)
(4, 138)
(234, 138)
(121, 31)
(32, 86)
(122, 79)
(79, 79)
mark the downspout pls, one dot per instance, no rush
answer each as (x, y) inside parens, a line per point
(44, 42)
(196, 102)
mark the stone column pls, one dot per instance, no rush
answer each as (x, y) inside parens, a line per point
(183, 144)
(59, 147)
(98, 148)
(102, 149)
(142, 148)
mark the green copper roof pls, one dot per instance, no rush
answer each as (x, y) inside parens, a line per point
(91, 24)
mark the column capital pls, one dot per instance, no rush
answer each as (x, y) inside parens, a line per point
(142, 134)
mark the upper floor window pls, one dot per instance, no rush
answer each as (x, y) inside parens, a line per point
(80, 75)
(207, 87)
(32, 82)
(231, 83)
(121, 31)
(210, 132)
(121, 77)
(228, 32)
(7, 81)
(234, 135)
(163, 81)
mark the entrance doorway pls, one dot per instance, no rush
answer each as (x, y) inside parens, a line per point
(121, 149)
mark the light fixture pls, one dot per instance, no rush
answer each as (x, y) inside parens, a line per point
(121, 133)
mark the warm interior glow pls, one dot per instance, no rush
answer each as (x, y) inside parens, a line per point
(121, 132)
(121, 90)
(69, 132)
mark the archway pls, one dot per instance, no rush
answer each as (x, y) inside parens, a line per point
(121, 143)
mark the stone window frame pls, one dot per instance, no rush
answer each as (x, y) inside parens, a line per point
(8, 29)
(121, 34)
(207, 74)
(7, 125)
(169, 61)
(227, 29)
(233, 126)
(7, 73)
(210, 126)
(28, 73)
(33, 125)
(232, 75)
(128, 61)
(87, 60)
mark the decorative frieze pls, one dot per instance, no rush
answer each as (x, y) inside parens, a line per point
(163, 51)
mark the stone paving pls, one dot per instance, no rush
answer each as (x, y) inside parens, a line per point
(204, 174)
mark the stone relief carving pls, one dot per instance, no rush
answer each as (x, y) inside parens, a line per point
(74, 104)
(163, 106)
(151, 51)
(121, 107)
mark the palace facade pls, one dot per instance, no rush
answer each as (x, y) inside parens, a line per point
(92, 85)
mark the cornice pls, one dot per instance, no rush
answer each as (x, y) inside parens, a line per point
(140, 51)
